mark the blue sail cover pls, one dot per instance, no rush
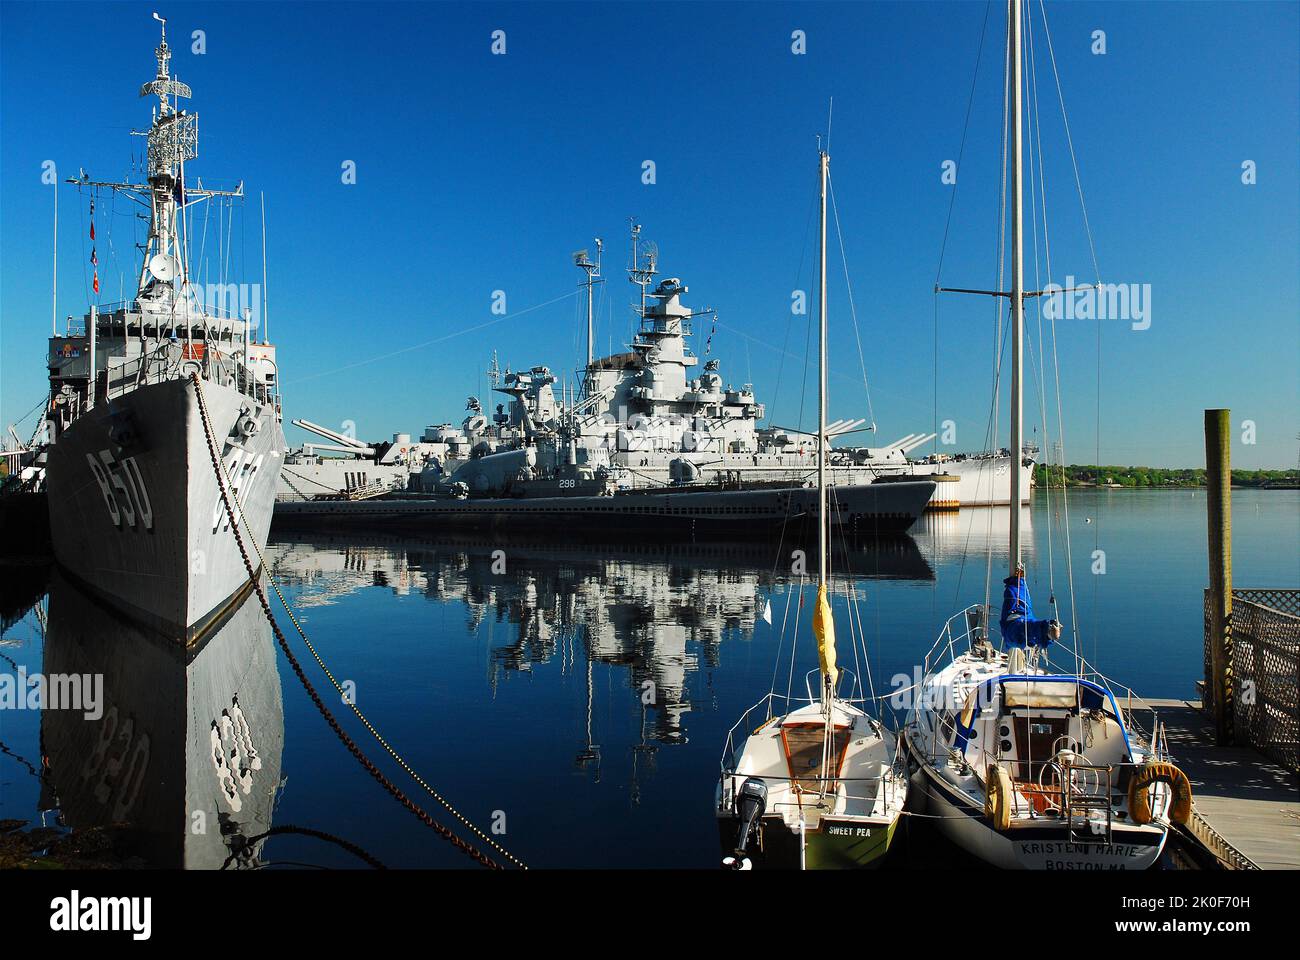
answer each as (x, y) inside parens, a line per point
(1020, 628)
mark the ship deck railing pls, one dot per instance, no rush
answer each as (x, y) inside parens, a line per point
(167, 360)
(118, 308)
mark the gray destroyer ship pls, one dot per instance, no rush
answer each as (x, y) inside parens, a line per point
(136, 511)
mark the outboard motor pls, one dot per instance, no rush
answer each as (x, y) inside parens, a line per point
(751, 804)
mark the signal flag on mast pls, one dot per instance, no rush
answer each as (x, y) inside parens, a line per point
(94, 258)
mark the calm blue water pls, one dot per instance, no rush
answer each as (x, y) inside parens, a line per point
(518, 692)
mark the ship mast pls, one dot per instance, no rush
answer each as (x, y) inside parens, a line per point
(172, 139)
(1017, 283)
(582, 261)
(823, 169)
(642, 274)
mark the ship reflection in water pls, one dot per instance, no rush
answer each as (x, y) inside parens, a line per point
(574, 693)
(657, 613)
(175, 755)
(498, 668)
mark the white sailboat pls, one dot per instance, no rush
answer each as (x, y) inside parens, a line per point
(820, 784)
(1023, 763)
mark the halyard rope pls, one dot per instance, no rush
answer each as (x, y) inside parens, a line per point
(222, 482)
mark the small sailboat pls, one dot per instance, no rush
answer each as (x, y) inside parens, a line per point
(1024, 763)
(820, 784)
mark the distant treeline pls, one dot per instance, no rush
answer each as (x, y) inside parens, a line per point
(1082, 475)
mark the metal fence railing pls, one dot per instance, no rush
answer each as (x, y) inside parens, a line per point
(1264, 659)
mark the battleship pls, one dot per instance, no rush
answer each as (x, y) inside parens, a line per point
(566, 463)
(141, 398)
(638, 420)
(643, 419)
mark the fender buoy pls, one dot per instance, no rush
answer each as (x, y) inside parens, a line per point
(1159, 771)
(997, 797)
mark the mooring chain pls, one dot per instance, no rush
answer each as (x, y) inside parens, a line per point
(398, 758)
(350, 701)
(351, 745)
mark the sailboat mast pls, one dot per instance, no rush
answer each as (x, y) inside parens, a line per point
(821, 385)
(1017, 281)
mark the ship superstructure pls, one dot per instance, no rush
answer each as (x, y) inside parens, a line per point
(654, 415)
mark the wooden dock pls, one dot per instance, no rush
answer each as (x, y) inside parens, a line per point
(1246, 808)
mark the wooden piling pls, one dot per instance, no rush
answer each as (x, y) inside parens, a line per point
(1218, 481)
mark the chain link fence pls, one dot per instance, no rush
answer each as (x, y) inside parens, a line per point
(1264, 672)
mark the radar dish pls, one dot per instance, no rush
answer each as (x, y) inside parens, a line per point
(650, 250)
(162, 267)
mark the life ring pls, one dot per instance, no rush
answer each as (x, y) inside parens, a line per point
(997, 797)
(1159, 771)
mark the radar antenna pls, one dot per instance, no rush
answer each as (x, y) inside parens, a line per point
(163, 86)
(643, 269)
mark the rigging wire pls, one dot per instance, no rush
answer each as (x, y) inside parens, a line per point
(999, 345)
(853, 310)
(794, 643)
(1060, 427)
(776, 661)
(961, 150)
(1037, 203)
(1036, 146)
(428, 343)
(943, 247)
(798, 276)
(1001, 279)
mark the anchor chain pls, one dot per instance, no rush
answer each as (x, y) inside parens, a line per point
(442, 830)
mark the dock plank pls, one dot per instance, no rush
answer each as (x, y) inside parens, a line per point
(1249, 800)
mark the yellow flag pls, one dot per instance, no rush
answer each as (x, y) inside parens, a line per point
(824, 630)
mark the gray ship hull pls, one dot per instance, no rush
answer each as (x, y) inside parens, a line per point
(863, 510)
(135, 509)
(185, 752)
(340, 477)
(975, 481)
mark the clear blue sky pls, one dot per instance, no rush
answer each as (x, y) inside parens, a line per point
(478, 172)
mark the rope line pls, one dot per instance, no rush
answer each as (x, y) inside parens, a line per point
(244, 845)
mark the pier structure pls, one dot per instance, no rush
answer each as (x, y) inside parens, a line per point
(1240, 743)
